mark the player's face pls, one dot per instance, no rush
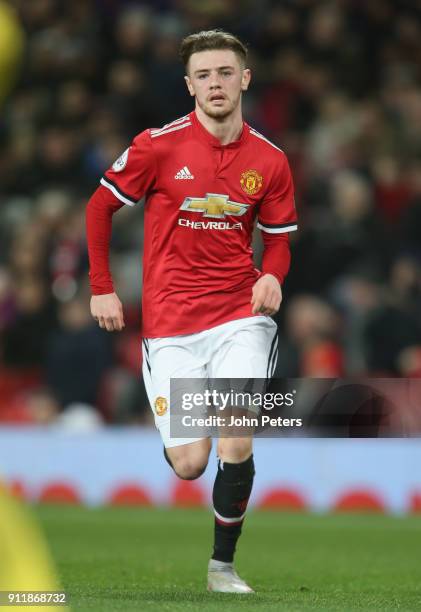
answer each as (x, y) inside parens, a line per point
(217, 79)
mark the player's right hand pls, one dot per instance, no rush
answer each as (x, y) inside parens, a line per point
(108, 311)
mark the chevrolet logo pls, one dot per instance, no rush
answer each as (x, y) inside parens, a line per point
(214, 205)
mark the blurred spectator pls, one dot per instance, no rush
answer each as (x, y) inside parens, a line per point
(133, 32)
(25, 337)
(78, 356)
(392, 190)
(311, 346)
(79, 418)
(410, 234)
(395, 325)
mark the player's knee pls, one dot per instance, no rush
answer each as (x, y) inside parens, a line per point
(235, 450)
(187, 469)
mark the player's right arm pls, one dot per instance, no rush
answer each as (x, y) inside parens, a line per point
(106, 307)
(131, 177)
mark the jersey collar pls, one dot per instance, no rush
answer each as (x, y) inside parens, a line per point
(212, 140)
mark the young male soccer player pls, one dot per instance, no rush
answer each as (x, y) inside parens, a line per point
(206, 308)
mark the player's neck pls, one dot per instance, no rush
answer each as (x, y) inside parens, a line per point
(225, 130)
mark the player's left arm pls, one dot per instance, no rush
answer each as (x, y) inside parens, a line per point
(277, 217)
(267, 291)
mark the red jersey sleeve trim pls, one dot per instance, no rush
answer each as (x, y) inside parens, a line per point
(277, 228)
(115, 189)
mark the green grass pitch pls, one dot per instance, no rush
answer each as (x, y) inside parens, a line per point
(155, 559)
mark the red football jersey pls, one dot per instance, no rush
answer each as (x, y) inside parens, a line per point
(201, 202)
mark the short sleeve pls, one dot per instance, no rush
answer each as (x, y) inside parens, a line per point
(277, 212)
(133, 174)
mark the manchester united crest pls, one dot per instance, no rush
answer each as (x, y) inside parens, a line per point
(251, 181)
(161, 406)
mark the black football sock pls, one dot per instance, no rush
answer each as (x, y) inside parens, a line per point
(231, 492)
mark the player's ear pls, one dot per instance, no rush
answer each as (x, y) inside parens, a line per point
(189, 85)
(246, 78)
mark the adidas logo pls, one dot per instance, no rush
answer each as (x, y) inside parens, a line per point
(184, 173)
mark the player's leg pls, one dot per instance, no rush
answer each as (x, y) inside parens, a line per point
(231, 492)
(163, 359)
(247, 352)
(189, 461)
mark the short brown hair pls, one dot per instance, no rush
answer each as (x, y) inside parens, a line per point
(210, 40)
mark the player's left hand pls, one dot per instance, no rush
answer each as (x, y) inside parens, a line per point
(267, 295)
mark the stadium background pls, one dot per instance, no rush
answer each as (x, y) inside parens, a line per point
(337, 86)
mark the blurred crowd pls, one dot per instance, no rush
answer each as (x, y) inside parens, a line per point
(337, 85)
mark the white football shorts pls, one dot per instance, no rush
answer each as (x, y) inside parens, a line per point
(244, 348)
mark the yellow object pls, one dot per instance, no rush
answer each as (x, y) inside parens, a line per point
(11, 48)
(25, 561)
